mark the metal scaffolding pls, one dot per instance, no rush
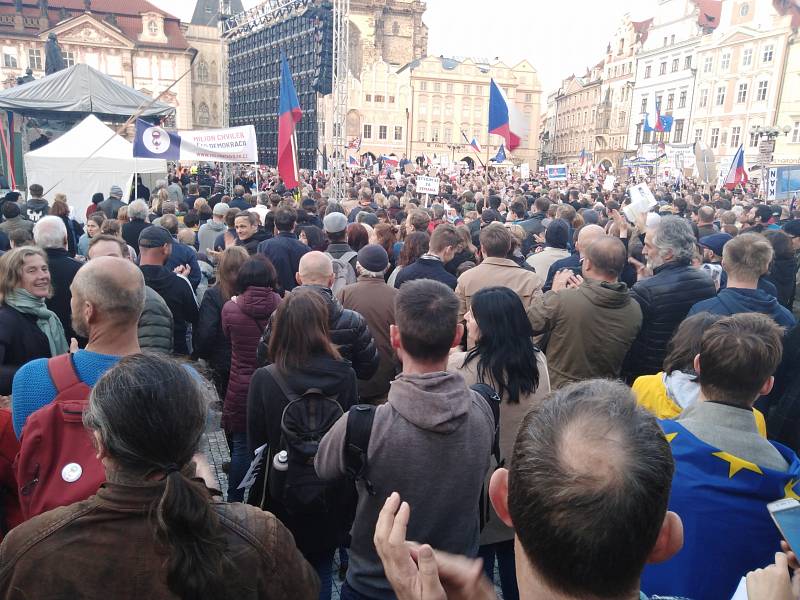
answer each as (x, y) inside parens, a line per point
(341, 49)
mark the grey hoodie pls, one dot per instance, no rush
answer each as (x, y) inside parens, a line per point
(207, 234)
(430, 442)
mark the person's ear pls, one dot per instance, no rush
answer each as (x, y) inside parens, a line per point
(298, 279)
(459, 335)
(669, 541)
(331, 279)
(394, 336)
(696, 364)
(98, 446)
(498, 494)
(767, 387)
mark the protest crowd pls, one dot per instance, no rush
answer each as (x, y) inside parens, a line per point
(516, 388)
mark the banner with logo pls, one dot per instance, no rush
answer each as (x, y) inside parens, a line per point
(235, 144)
(557, 172)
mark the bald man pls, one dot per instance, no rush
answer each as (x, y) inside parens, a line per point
(590, 321)
(586, 235)
(107, 301)
(348, 329)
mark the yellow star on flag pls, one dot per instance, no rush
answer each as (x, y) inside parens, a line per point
(671, 436)
(737, 464)
(789, 490)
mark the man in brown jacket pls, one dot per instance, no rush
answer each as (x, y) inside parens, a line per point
(588, 322)
(371, 297)
(496, 270)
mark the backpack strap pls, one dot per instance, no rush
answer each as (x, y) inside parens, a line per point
(278, 377)
(491, 398)
(348, 256)
(356, 443)
(62, 372)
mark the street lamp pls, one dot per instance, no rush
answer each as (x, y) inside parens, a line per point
(766, 146)
(453, 148)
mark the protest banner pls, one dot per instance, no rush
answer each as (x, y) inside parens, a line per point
(234, 144)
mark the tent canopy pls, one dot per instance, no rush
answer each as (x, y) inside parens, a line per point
(89, 158)
(79, 91)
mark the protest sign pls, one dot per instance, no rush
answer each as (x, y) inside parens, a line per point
(427, 185)
(557, 172)
(234, 144)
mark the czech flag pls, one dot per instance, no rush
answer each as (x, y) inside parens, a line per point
(504, 118)
(582, 155)
(352, 161)
(390, 161)
(653, 121)
(737, 174)
(475, 145)
(289, 114)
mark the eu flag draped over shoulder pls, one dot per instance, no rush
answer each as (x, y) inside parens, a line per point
(722, 501)
(289, 114)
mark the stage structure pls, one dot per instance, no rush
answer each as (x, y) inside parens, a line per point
(309, 33)
(341, 70)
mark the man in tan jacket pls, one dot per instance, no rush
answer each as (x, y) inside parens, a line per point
(589, 322)
(496, 270)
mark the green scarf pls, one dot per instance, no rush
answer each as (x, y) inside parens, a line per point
(26, 303)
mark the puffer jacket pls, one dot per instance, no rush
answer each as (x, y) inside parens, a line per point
(243, 320)
(349, 333)
(156, 326)
(208, 340)
(665, 299)
(782, 274)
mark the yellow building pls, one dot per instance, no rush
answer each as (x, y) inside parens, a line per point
(576, 117)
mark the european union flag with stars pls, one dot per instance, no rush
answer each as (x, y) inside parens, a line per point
(722, 501)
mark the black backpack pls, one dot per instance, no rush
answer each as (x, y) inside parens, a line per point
(359, 430)
(304, 422)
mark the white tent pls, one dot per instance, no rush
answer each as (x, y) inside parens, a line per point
(89, 158)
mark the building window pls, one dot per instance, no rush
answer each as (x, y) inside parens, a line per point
(662, 70)
(398, 133)
(647, 72)
(152, 27)
(367, 132)
(437, 86)
(379, 99)
(703, 98)
(423, 107)
(677, 129)
(708, 64)
(736, 136)
(35, 59)
(9, 60)
(644, 104)
(753, 140)
(714, 137)
(744, 9)
(747, 57)
(687, 63)
(69, 58)
(421, 133)
(723, 137)
(670, 101)
(676, 63)
(203, 116)
(725, 63)
(646, 136)
(449, 88)
(395, 28)
(423, 86)
(368, 98)
(528, 97)
(382, 132)
(391, 99)
(466, 88)
(796, 132)
(720, 95)
(769, 50)
(682, 99)
(638, 134)
(672, 39)
(202, 71)
(435, 134)
(741, 94)
(698, 135)
(448, 134)
(761, 93)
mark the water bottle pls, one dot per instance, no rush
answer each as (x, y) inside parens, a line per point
(277, 475)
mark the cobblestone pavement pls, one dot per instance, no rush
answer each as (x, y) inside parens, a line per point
(215, 447)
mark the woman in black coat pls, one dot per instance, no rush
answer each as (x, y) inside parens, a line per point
(783, 270)
(208, 340)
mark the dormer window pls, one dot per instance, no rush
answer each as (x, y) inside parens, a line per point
(152, 27)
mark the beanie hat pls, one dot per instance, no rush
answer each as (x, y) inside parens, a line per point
(373, 257)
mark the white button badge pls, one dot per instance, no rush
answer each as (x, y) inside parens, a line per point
(71, 473)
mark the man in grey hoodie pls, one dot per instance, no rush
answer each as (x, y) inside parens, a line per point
(208, 232)
(431, 442)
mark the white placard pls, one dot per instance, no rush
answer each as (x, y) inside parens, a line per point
(608, 183)
(525, 171)
(427, 185)
(642, 200)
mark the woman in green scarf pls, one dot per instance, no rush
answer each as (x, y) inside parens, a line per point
(28, 329)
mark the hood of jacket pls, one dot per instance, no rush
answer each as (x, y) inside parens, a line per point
(258, 302)
(435, 402)
(329, 375)
(604, 294)
(215, 226)
(37, 203)
(738, 300)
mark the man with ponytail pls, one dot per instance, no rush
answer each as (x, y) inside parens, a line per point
(154, 530)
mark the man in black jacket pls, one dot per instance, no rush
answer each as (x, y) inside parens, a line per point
(666, 296)
(444, 244)
(348, 329)
(50, 234)
(155, 245)
(284, 250)
(249, 235)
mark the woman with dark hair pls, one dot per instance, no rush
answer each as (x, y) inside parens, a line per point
(467, 251)
(385, 235)
(97, 198)
(783, 269)
(74, 230)
(303, 358)
(154, 529)
(244, 318)
(505, 358)
(313, 237)
(208, 340)
(357, 236)
(415, 245)
(93, 224)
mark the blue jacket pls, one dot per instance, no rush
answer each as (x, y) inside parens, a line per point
(426, 268)
(184, 255)
(240, 203)
(732, 301)
(285, 252)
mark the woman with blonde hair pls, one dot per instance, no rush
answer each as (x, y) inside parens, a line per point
(28, 329)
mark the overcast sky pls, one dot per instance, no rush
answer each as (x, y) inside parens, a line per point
(558, 37)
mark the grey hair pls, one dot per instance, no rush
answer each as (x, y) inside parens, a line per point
(102, 289)
(50, 232)
(374, 274)
(676, 235)
(160, 184)
(138, 210)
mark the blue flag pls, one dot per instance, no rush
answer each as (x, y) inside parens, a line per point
(152, 141)
(501, 154)
(722, 501)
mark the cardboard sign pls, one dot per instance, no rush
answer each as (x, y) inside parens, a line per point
(427, 185)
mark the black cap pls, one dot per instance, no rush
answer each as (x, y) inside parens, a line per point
(792, 228)
(154, 237)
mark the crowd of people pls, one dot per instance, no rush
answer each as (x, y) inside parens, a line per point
(523, 385)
